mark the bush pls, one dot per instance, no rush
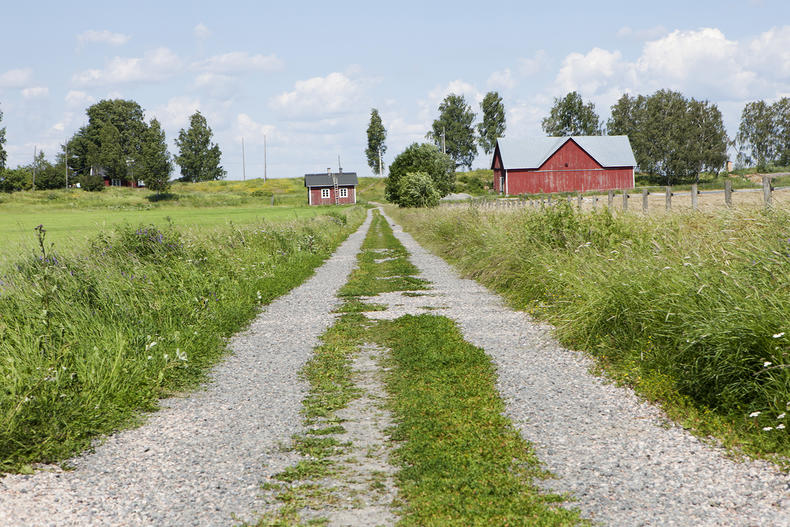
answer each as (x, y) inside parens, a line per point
(417, 189)
(423, 158)
(91, 183)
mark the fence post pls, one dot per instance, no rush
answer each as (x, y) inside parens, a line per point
(728, 192)
(548, 201)
(570, 202)
(694, 193)
(579, 200)
(595, 202)
(625, 200)
(767, 190)
(645, 194)
(669, 198)
(610, 195)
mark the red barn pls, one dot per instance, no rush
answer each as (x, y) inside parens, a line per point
(331, 189)
(563, 164)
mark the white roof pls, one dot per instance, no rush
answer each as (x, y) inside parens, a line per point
(608, 150)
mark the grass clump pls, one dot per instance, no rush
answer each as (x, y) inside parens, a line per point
(692, 310)
(89, 340)
(462, 462)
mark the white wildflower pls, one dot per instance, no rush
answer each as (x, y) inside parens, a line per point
(166, 356)
(780, 427)
(754, 414)
(181, 355)
(779, 335)
(767, 428)
(766, 364)
(150, 357)
(781, 416)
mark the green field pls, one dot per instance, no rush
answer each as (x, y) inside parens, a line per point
(71, 216)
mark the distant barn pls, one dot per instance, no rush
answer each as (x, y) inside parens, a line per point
(331, 188)
(563, 164)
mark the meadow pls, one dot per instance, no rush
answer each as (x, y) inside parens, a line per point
(692, 310)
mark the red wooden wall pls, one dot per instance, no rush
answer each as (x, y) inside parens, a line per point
(315, 196)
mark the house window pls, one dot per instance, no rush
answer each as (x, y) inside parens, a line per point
(324, 193)
(343, 192)
(116, 182)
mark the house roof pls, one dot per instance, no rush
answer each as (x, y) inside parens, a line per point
(608, 150)
(325, 180)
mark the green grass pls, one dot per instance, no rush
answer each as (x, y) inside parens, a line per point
(90, 339)
(693, 310)
(461, 460)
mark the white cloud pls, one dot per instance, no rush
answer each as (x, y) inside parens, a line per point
(501, 80)
(588, 73)
(175, 113)
(35, 92)
(319, 96)
(104, 37)
(534, 64)
(201, 31)
(216, 85)
(769, 52)
(17, 78)
(156, 65)
(253, 132)
(239, 61)
(650, 33)
(76, 98)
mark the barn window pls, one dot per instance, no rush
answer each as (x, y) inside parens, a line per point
(116, 182)
(343, 192)
(324, 193)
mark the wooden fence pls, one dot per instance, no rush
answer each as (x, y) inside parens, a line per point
(650, 199)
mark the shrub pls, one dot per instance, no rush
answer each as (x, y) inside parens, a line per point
(423, 158)
(417, 189)
(91, 183)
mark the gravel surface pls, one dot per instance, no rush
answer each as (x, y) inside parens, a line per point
(615, 455)
(201, 459)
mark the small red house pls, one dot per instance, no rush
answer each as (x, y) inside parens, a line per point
(331, 188)
(563, 164)
(109, 182)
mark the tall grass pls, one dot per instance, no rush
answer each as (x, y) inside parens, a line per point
(89, 340)
(693, 310)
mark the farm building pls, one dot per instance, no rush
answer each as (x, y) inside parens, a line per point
(109, 182)
(563, 164)
(331, 188)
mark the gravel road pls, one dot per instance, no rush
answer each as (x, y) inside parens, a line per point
(616, 456)
(202, 458)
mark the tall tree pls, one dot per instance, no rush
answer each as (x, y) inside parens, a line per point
(757, 135)
(377, 134)
(781, 114)
(425, 158)
(571, 116)
(197, 156)
(493, 125)
(453, 131)
(3, 155)
(155, 164)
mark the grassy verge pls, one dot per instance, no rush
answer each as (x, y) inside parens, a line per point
(87, 341)
(461, 461)
(692, 310)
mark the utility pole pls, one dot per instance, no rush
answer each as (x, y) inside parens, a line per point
(381, 170)
(243, 162)
(264, 158)
(34, 168)
(444, 149)
(66, 163)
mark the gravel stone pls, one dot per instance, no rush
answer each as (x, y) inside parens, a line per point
(202, 458)
(618, 457)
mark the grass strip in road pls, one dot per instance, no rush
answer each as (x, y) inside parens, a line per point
(462, 461)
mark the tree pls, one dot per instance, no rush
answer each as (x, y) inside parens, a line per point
(155, 164)
(570, 116)
(3, 155)
(453, 131)
(377, 134)
(111, 140)
(493, 125)
(673, 138)
(781, 114)
(757, 135)
(417, 189)
(424, 158)
(197, 156)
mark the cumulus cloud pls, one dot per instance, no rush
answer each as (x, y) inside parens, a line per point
(17, 78)
(534, 64)
(156, 65)
(176, 112)
(201, 31)
(319, 96)
(35, 92)
(104, 36)
(77, 98)
(501, 80)
(252, 131)
(651, 33)
(239, 61)
(588, 73)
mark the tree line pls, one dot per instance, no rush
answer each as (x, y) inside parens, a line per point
(117, 143)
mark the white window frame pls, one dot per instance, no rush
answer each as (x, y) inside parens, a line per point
(324, 193)
(343, 193)
(115, 183)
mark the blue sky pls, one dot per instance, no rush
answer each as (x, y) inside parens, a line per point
(306, 74)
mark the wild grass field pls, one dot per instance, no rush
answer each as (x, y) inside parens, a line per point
(693, 310)
(92, 336)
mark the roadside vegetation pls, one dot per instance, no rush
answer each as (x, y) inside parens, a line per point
(460, 460)
(91, 338)
(692, 310)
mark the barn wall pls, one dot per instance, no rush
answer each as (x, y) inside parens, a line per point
(539, 181)
(315, 196)
(498, 171)
(570, 156)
